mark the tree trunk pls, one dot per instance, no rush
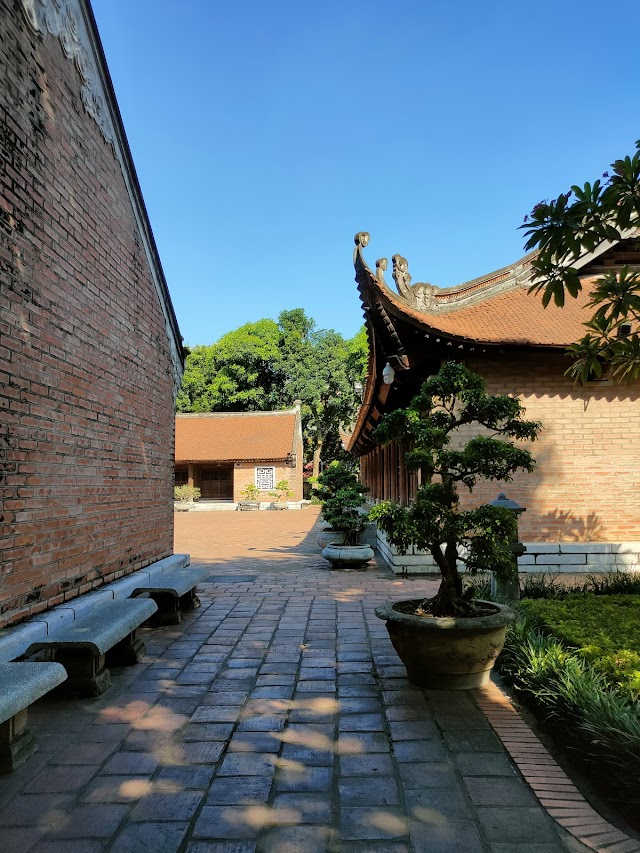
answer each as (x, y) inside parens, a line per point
(316, 457)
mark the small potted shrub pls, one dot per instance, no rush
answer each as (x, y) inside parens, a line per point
(251, 498)
(281, 494)
(450, 640)
(185, 496)
(342, 496)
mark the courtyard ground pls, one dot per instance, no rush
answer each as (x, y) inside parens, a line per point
(277, 717)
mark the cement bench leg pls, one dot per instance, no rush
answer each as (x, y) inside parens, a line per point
(16, 742)
(86, 672)
(128, 651)
(168, 612)
(189, 601)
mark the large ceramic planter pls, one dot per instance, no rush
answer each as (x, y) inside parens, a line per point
(445, 652)
(330, 537)
(348, 556)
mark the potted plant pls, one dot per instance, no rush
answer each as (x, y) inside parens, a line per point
(251, 494)
(342, 495)
(450, 640)
(281, 494)
(185, 496)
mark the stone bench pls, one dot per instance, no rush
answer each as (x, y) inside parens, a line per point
(21, 684)
(173, 592)
(104, 635)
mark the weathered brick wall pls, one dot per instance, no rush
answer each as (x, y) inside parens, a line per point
(585, 486)
(86, 436)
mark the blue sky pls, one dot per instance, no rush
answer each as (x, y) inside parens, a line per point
(265, 134)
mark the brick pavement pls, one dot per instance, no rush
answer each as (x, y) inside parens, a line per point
(274, 718)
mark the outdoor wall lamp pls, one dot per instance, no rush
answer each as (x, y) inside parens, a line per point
(358, 389)
(388, 374)
(292, 460)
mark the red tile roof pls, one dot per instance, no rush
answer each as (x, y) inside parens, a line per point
(234, 436)
(511, 317)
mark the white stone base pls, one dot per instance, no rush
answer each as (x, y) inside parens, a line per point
(552, 557)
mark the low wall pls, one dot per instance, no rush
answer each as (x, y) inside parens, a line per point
(554, 557)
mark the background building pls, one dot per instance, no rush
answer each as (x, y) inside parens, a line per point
(222, 453)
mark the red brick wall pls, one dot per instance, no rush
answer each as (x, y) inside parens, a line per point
(585, 486)
(86, 436)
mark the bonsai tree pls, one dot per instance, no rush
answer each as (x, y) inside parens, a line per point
(282, 492)
(342, 495)
(251, 492)
(186, 493)
(450, 406)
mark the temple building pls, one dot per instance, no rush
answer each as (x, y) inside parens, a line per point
(223, 452)
(582, 502)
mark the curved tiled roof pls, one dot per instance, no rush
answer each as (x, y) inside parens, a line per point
(510, 317)
(234, 436)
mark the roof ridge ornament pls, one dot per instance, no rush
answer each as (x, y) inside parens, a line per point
(420, 295)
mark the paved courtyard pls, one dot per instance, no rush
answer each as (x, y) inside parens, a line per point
(277, 717)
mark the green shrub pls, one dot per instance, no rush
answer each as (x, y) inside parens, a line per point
(186, 493)
(598, 719)
(604, 630)
(282, 492)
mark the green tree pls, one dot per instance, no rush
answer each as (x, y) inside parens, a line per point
(428, 429)
(579, 221)
(238, 373)
(269, 365)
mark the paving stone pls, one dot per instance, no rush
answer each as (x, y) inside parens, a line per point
(379, 764)
(116, 789)
(133, 763)
(361, 723)
(428, 775)
(185, 777)
(359, 743)
(84, 753)
(156, 837)
(484, 764)
(255, 742)
(20, 840)
(243, 764)
(240, 790)
(60, 780)
(293, 776)
(372, 823)
(176, 806)
(226, 822)
(368, 791)
(446, 837)
(304, 808)
(435, 803)
(295, 839)
(473, 741)
(69, 845)
(41, 810)
(416, 750)
(413, 730)
(205, 752)
(93, 820)
(516, 824)
(207, 731)
(216, 714)
(487, 791)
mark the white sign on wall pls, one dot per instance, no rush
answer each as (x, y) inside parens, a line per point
(265, 478)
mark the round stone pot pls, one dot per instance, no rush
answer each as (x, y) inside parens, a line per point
(447, 653)
(348, 556)
(330, 537)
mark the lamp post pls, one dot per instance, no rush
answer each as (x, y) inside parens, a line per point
(509, 590)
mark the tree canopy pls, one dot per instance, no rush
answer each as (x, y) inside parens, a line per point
(579, 221)
(271, 364)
